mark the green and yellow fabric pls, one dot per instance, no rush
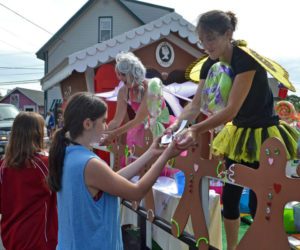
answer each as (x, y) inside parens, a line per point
(243, 143)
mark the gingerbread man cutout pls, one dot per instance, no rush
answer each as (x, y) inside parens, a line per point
(149, 198)
(190, 204)
(273, 190)
(118, 148)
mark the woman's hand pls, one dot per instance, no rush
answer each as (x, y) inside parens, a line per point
(186, 138)
(106, 138)
(171, 129)
(156, 148)
(172, 150)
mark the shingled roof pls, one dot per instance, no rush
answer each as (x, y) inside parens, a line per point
(36, 96)
(146, 12)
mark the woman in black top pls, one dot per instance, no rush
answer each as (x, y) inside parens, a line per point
(250, 107)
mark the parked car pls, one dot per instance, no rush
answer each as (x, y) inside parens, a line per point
(8, 113)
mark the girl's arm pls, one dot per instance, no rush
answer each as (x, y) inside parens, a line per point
(133, 168)
(152, 153)
(120, 110)
(99, 176)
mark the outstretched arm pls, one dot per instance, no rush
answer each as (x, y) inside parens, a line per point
(99, 176)
(133, 168)
(240, 89)
(120, 110)
(141, 114)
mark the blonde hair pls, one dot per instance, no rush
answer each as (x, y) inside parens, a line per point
(130, 65)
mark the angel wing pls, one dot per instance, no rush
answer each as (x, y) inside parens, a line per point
(171, 92)
(111, 95)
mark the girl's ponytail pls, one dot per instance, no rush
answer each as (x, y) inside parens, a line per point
(56, 159)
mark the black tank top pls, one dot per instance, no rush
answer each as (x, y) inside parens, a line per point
(258, 107)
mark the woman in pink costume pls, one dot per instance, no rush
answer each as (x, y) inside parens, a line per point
(135, 92)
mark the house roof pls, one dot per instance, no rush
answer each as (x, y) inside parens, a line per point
(132, 40)
(273, 81)
(141, 11)
(36, 96)
(146, 12)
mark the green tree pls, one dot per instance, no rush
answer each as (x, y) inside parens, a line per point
(295, 100)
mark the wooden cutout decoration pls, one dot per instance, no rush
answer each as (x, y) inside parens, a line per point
(118, 147)
(149, 198)
(194, 168)
(273, 190)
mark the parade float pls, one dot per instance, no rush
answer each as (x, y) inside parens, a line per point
(190, 220)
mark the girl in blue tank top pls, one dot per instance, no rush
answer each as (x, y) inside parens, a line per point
(87, 188)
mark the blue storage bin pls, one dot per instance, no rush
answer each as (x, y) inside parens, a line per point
(180, 182)
(244, 202)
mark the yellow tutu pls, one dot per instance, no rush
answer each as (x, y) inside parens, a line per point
(243, 144)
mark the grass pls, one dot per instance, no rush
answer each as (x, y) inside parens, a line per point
(243, 229)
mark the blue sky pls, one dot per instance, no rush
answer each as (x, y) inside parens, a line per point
(270, 30)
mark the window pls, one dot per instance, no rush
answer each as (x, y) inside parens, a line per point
(29, 108)
(105, 29)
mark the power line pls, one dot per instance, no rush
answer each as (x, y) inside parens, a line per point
(20, 82)
(35, 65)
(15, 35)
(15, 53)
(26, 19)
(25, 52)
(21, 68)
(8, 87)
(21, 74)
(29, 80)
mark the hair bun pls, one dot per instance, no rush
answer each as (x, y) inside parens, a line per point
(129, 64)
(138, 73)
(233, 19)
